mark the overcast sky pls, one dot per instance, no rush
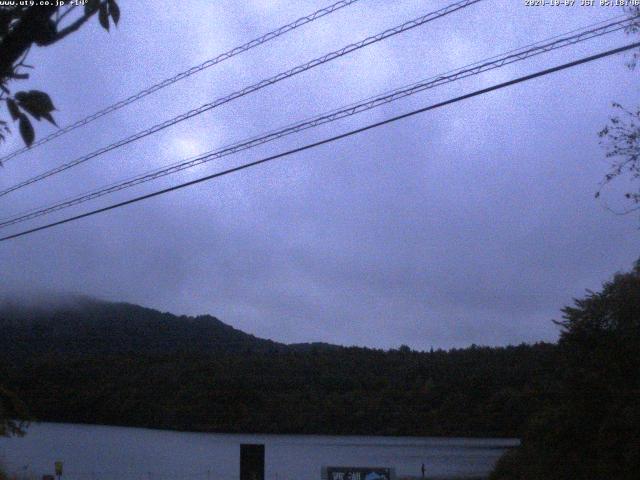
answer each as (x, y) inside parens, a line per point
(475, 223)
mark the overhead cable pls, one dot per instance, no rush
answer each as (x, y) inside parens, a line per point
(330, 139)
(372, 102)
(182, 75)
(250, 89)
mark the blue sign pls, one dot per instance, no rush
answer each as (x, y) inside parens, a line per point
(358, 473)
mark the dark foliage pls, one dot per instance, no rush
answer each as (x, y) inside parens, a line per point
(591, 427)
(24, 24)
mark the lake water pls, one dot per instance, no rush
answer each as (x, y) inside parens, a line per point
(116, 453)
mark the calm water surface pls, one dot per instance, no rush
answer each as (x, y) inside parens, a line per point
(117, 453)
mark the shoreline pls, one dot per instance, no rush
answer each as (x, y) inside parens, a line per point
(509, 442)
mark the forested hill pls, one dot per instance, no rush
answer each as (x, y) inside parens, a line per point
(82, 325)
(119, 364)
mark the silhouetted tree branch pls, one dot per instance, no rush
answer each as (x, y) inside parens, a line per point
(20, 28)
(621, 136)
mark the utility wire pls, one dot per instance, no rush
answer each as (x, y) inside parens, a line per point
(187, 73)
(332, 139)
(250, 89)
(355, 108)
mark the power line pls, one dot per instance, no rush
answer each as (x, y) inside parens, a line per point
(187, 73)
(250, 89)
(331, 139)
(355, 108)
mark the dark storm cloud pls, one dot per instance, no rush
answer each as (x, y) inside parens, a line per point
(471, 224)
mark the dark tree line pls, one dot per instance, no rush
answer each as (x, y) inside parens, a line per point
(471, 392)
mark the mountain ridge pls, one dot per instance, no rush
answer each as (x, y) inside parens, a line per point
(86, 325)
(122, 364)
